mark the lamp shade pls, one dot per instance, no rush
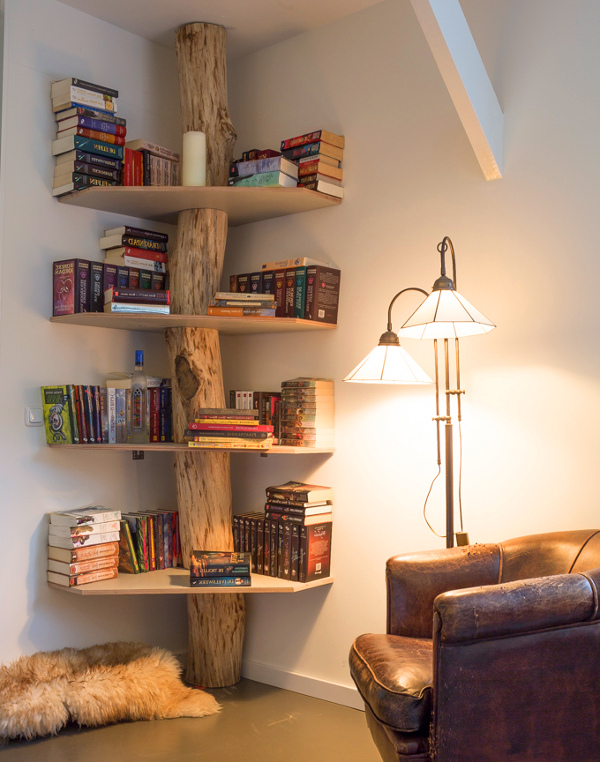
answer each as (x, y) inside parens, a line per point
(445, 314)
(388, 364)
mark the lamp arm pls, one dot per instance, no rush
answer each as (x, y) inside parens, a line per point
(442, 247)
(411, 288)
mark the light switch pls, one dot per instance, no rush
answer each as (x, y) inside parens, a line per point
(34, 416)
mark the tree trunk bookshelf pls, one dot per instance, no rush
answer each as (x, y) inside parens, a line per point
(202, 215)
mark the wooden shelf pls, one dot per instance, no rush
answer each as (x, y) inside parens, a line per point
(162, 204)
(158, 323)
(177, 582)
(174, 447)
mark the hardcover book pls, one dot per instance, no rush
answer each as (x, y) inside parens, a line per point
(134, 242)
(265, 180)
(299, 491)
(313, 149)
(126, 230)
(70, 286)
(313, 137)
(70, 157)
(91, 112)
(89, 145)
(219, 564)
(322, 294)
(314, 560)
(64, 85)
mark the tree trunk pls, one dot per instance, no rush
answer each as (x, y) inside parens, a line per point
(216, 621)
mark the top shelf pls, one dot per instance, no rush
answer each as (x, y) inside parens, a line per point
(162, 204)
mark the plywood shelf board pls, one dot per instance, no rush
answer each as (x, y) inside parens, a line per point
(158, 323)
(176, 447)
(177, 582)
(163, 204)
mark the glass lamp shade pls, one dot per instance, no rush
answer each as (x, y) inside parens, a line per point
(388, 364)
(445, 314)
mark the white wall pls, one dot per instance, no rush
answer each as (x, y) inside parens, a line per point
(526, 248)
(527, 258)
(46, 41)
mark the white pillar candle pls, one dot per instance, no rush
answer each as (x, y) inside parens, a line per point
(193, 160)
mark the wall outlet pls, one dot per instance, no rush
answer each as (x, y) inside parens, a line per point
(34, 416)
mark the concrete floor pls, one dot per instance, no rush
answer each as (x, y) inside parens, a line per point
(258, 723)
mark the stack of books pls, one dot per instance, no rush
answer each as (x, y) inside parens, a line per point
(228, 428)
(274, 171)
(217, 568)
(147, 163)
(266, 403)
(292, 538)
(137, 300)
(138, 249)
(242, 304)
(149, 541)
(89, 136)
(307, 412)
(319, 157)
(83, 545)
(301, 287)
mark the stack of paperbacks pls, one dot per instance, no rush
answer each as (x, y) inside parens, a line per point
(89, 136)
(83, 545)
(307, 412)
(229, 429)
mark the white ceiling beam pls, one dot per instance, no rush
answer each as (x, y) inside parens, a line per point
(455, 52)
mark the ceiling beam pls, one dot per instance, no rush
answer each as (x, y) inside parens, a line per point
(455, 52)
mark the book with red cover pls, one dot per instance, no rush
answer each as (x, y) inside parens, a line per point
(314, 561)
(137, 295)
(132, 251)
(313, 137)
(104, 137)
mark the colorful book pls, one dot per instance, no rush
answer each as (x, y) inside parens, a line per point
(137, 295)
(127, 559)
(319, 168)
(264, 180)
(70, 157)
(220, 581)
(57, 420)
(313, 137)
(145, 145)
(104, 137)
(89, 145)
(83, 579)
(91, 112)
(299, 491)
(314, 149)
(135, 242)
(83, 567)
(206, 563)
(242, 311)
(89, 123)
(273, 164)
(131, 308)
(77, 555)
(96, 284)
(70, 286)
(79, 182)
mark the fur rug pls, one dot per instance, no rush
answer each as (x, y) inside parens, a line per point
(40, 694)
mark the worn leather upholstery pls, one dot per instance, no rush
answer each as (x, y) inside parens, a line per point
(492, 653)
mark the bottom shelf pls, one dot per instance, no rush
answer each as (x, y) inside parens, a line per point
(177, 582)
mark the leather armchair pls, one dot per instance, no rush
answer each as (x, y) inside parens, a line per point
(492, 653)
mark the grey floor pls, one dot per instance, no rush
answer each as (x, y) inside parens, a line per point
(258, 723)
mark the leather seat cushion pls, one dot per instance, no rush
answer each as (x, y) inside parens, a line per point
(393, 675)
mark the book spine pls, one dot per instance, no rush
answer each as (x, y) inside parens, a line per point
(96, 282)
(121, 404)
(83, 97)
(151, 235)
(91, 112)
(221, 582)
(95, 576)
(102, 550)
(72, 404)
(290, 291)
(138, 242)
(261, 179)
(99, 125)
(98, 147)
(300, 292)
(242, 311)
(111, 414)
(82, 83)
(143, 264)
(154, 394)
(300, 140)
(138, 295)
(104, 137)
(84, 168)
(82, 567)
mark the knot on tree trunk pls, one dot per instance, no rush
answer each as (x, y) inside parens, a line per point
(187, 381)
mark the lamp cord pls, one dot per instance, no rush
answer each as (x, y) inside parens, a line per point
(426, 500)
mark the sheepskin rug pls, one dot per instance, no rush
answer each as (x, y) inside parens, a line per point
(40, 694)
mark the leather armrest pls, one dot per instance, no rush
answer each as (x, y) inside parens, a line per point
(527, 605)
(414, 581)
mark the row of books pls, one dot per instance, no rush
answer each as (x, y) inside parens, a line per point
(291, 538)
(93, 414)
(150, 541)
(300, 288)
(312, 160)
(227, 428)
(219, 569)
(80, 285)
(91, 147)
(83, 545)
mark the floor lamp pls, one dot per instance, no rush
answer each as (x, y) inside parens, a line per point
(443, 315)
